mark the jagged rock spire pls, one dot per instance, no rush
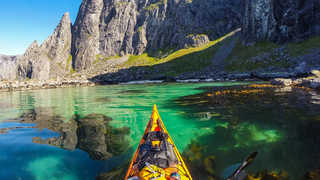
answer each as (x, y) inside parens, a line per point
(58, 47)
(52, 58)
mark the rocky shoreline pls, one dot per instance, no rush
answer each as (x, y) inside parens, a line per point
(312, 81)
(7, 86)
(280, 78)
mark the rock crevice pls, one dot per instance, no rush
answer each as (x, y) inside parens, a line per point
(280, 21)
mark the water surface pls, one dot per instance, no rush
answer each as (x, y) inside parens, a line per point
(78, 133)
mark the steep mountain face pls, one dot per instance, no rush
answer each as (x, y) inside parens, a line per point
(8, 64)
(119, 27)
(34, 64)
(105, 28)
(85, 40)
(280, 21)
(58, 48)
(49, 60)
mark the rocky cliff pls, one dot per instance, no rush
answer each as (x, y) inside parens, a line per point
(58, 48)
(49, 60)
(280, 21)
(104, 29)
(119, 27)
(7, 67)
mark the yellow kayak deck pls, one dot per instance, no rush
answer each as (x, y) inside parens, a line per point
(155, 125)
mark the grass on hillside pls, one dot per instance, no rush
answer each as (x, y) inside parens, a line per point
(180, 61)
(69, 64)
(298, 49)
(100, 58)
(155, 5)
(237, 61)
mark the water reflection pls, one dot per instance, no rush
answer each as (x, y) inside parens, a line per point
(225, 123)
(91, 133)
(281, 123)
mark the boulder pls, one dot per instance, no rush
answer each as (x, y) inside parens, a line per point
(195, 40)
(282, 82)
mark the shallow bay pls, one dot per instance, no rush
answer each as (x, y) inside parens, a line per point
(78, 133)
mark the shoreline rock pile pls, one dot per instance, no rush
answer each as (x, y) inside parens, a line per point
(312, 82)
(6, 86)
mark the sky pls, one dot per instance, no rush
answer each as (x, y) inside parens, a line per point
(23, 21)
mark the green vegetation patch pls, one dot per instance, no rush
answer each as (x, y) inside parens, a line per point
(241, 54)
(239, 60)
(190, 62)
(155, 5)
(122, 3)
(141, 60)
(180, 61)
(69, 64)
(298, 49)
(100, 58)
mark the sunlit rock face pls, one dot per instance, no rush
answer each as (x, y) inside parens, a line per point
(280, 21)
(119, 27)
(85, 40)
(49, 60)
(58, 48)
(34, 64)
(8, 66)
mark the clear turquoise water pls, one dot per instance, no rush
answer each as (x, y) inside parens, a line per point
(54, 112)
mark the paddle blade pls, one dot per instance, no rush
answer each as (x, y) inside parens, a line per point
(245, 164)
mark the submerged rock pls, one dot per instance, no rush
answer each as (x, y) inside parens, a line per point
(132, 92)
(91, 136)
(268, 175)
(312, 175)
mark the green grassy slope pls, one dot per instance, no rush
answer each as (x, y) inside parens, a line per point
(238, 60)
(180, 61)
(198, 58)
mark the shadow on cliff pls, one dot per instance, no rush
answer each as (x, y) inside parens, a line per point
(194, 62)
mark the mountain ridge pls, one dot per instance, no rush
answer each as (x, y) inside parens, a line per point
(110, 29)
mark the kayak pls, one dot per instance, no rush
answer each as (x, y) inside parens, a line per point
(156, 157)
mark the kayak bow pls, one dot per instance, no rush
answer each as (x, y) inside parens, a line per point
(156, 142)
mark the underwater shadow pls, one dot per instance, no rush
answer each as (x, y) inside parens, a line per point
(281, 124)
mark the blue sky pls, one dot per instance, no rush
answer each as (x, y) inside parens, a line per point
(23, 21)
